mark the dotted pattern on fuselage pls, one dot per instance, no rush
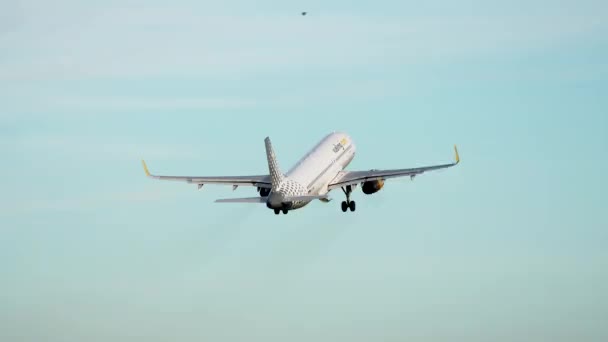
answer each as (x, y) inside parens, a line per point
(289, 188)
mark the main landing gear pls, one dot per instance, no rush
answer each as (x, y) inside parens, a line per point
(348, 204)
(277, 211)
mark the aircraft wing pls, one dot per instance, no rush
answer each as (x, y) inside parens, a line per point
(261, 181)
(356, 177)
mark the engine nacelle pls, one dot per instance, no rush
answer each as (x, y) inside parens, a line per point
(371, 187)
(264, 192)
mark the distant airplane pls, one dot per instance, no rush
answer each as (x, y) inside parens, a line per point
(317, 173)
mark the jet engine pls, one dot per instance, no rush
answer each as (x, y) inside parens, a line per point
(264, 192)
(371, 187)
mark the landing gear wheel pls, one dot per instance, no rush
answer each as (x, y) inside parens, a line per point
(351, 206)
(285, 211)
(277, 211)
(348, 204)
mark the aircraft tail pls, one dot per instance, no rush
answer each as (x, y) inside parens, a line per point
(276, 176)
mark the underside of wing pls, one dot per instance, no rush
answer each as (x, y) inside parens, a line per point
(260, 181)
(346, 178)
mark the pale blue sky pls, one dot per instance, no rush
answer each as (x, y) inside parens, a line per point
(508, 246)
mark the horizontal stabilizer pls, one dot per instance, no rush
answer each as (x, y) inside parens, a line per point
(243, 200)
(304, 198)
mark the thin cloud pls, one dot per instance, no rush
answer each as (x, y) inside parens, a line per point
(79, 203)
(117, 42)
(131, 103)
(91, 149)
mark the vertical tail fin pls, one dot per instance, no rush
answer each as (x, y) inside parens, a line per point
(276, 176)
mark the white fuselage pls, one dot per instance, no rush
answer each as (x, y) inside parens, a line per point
(315, 170)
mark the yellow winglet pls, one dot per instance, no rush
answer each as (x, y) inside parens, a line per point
(456, 154)
(145, 168)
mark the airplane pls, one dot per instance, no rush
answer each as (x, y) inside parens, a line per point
(313, 177)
